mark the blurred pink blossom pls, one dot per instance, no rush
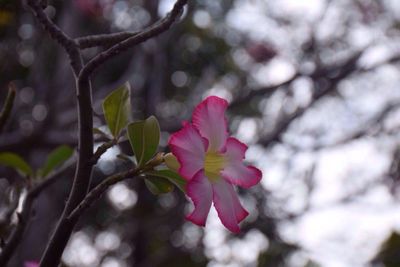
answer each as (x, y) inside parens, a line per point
(31, 264)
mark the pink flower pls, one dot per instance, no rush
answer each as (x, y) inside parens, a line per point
(212, 162)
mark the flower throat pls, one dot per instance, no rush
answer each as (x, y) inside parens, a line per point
(213, 164)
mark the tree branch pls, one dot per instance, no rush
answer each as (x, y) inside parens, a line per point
(80, 186)
(96, 192)
(57, 34)
(52, 178)
(84, 167)
(375, 121)
(265, 91)
(8, 104)
(154, 30)
(18, 231)
(334, 75)
(103, 39)
(101, 150)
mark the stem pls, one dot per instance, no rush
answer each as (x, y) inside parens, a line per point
(18, 231)
(59, 240)
(101, 150)
(103, 39)
(96, 192)
(57, 34)
(152, 31)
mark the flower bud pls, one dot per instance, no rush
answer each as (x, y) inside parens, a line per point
(171, 162)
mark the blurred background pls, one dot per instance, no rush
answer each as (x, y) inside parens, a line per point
(314, 91)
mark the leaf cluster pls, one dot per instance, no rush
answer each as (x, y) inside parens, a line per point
(144, 138)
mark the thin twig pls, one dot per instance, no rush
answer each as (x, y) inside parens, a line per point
(154, 30)
(96, 192)
(334, 75)
(57, 34)
(15, 237)
(375, 121)
(101, 150)
(264, 91)
(106, 40)
(8, 104)
(53, 177)
(80, 186)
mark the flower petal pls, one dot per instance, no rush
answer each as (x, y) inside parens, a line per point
(209, 119)
(228, 206)
(189, 148)
(200, 191)
(235, 171)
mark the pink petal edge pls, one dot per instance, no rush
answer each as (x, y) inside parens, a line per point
(235, 149)
(209, 119)
(200, 191)
(228, 206)
(189, 148)
(236, 172)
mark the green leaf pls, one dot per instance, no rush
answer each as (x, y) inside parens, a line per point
(57, 157)
(151, 133)
(117, 109)
(14, 161)
(144, 137)
(158, 185)
(135, 136)
(171, 176)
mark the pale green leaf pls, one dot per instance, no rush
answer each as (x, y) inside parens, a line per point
(55, 159)
(135, 136)
(16, 162)
(171, 176)
(151, 133)
(158, 185)
(144, 137)
(117, 109)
